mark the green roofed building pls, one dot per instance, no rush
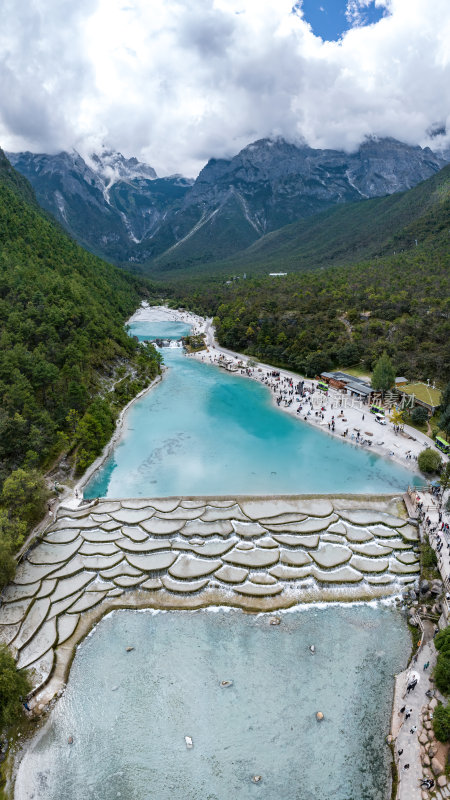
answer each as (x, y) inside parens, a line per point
(422, 395)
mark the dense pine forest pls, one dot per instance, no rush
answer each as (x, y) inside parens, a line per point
(341, 317)
(67, 364)
(317, 318)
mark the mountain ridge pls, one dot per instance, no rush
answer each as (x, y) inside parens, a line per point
(118, 208)
(342, 235)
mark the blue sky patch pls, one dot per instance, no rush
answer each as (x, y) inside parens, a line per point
(329, 19)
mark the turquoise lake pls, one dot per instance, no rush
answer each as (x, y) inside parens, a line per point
(203, 431)
(128, 713)
(146, 331)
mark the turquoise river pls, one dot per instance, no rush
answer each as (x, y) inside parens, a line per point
(203, 431)
(128, 713)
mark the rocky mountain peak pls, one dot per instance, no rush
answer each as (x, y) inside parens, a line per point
(113, 166)
(120, 208)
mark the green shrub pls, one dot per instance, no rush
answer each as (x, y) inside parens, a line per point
(14, 686)
(428, 555)
(25, 494)
(442, 641)
(441, 723)
(7, 563)
(429, 461)
(419, 415)
(442, 670)
(22, 504)
(94, 430)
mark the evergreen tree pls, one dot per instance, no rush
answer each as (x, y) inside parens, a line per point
(441, 723)
(444, 420)
(14, 686)
(383, 377)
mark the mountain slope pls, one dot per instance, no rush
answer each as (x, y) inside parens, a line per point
(343, 234)
(275, 183)
(61, 334)
(118, 208)
(107, 206)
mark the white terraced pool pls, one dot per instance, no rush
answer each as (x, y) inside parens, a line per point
(256, 553)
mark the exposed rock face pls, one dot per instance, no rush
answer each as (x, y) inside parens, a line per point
(436, 766)
(110, 206)
(118, 208)
(305, 180)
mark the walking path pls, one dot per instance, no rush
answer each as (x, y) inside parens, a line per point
(407, 743)
(410, 747)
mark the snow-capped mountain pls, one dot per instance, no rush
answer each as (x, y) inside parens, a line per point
(113, 167)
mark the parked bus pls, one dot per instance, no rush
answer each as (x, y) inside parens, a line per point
(441, 444)
(322, 386)
(374, 409)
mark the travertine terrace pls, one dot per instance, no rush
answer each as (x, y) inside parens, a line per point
(256, 553)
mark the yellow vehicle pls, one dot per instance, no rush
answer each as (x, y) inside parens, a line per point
(322, 386)
(374, 409)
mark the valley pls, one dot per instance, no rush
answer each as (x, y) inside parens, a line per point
(119, 209)
(208, 496)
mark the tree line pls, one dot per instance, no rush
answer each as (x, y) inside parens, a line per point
(67, 364)
(339, 317)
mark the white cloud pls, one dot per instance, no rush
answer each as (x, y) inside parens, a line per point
(175, 83)
(356, 11)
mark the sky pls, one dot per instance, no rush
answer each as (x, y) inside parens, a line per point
(330, 19)
(176, 82)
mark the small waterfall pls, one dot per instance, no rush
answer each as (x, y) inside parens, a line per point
(168, 343)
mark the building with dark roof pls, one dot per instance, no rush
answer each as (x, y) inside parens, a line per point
(349, 383)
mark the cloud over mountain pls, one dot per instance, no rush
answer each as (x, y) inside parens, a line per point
(175, 83)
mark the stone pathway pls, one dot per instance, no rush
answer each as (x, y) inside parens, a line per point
(431, 508)
(409, 788)
(417, 746)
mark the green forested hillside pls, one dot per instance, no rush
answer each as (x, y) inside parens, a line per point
(345, 316)
(66, 362)
(345, 234)
(380, 290)
(11, 179)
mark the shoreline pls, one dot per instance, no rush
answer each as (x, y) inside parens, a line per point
(109, 446)
(143, 313)
(353, 412)
(147, 313)
(202, 325)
